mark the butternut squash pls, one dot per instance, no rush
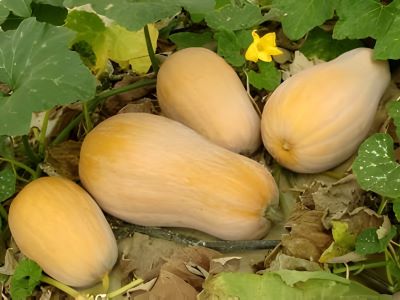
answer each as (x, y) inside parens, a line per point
(198, 88)
(153, 171)
(57, 224)
(317, 118)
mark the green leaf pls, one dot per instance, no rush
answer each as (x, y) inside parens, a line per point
(7, 183)
(231, 44)
(48, 74)
(300, 16)
(396, 208)
(111, 42)
(363, 18)
(54, 15)
(319, 44)
(233, 18)
(59, 3)
(7, 175)
(368, 242)
(190, 39)
(132, 15)
(20, 8)
(394, 113)
(267, 77)
(4, 12)
(341, 234)
(285, 284)
(375, 166)
(26, 277)
(388, 45)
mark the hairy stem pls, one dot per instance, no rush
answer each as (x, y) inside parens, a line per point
(62, 287)
(95, 101)
(19, 165)
(356, 267)
(154, 61)
(125, 288)
(42, 136)
(88, 121)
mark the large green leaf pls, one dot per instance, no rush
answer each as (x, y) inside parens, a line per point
(231, 17)
(231, 45)
(36, 63)
(7, 175)
(191, 39)
(368, 242)
(375, 166)
(267, 77)
(4, 12)
(320, 44)
(285, 284)
(26, 277)
(300, 16)
(20, 8)
(388, 45)
(394, 113)
(363, 18)
(135, 14)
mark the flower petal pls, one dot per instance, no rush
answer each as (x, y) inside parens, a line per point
(273, 51)
(256, 37)
(268, 40)
(252, 53)
(264, 56)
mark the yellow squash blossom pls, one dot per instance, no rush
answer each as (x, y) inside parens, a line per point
(262, 48)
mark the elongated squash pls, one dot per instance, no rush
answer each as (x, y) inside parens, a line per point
(57, 224)
(153, 171)
(316, 119)
(199, 89)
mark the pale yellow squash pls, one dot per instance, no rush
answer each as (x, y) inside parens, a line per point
(56, 223)
(198, 88)
(317, 118)
(153, 171)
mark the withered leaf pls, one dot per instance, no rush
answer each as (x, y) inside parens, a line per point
(287, 262)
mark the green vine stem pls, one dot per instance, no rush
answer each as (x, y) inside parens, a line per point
(88, 121)
(382, 205)
(29, 151)
(154, 61)
(3, 213)
(125, 288)
(356, 267)
(42, 136)
(223, 246)
(62, 287)
(96, 100)
(20, 165)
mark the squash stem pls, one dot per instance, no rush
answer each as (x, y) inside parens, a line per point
(19, 165)
(95, 101)
(382, 205)
(29, 151)
(88, 121)
(62, 287)
(154, 61)
(356, 267)
(125, 288)
(42, 136)
(3, 213)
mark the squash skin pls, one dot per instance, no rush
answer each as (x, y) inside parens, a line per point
(57, 224)
(317, 118)
(153, 171)
(198, 88)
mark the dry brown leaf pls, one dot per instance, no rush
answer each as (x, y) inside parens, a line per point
(169, 286)
(307, 238)
(335, 199)
(144, 105)
(224, 264)
(63, 160)
(286, 262)
(113, 104)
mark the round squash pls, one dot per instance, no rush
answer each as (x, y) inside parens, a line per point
(153, 171)
(57, 224)
(317, 118)
(198, 88)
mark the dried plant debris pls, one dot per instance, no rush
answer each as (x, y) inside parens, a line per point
(307, 236)
(335, 199)
(63, 160)
(287, 262)
(175, 266)
(115, 103)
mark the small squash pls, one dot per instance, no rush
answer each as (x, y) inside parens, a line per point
(57, 224)
(153, 171)
(316, 119)
(198, 88)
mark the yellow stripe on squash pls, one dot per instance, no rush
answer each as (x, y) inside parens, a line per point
(153, 171)
(57, 224)
(198, 88)
(316, 119)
